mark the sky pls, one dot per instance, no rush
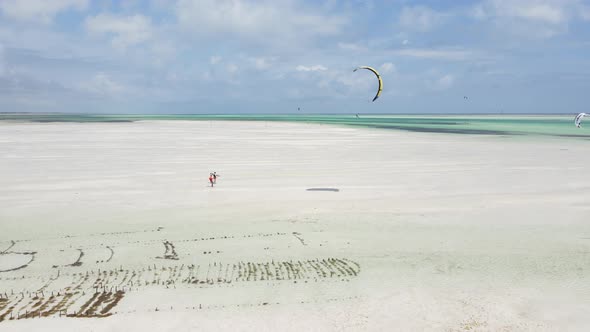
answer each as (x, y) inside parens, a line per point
(275, 56)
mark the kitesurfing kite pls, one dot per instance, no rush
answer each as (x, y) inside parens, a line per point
(378, 78)
(578, 119)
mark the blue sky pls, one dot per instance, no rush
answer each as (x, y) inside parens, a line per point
(273, 56)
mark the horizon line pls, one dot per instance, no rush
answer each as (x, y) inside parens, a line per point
(254, 114)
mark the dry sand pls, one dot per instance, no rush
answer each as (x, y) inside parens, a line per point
(116, 223)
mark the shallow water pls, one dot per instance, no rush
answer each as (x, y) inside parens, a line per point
(513, 125)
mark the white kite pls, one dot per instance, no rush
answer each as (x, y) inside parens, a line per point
(578, 119)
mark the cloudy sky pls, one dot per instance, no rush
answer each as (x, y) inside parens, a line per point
(272, 56)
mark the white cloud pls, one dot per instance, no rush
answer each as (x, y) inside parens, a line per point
(102, 84)
(387, 67)
(351, 47)
(440, 54)
(220, 70)
(444, 82)
(206, 75)
(231, 68)
(405, 42)
(543, 12)
(163, 51)
(478, 12)
(126, 30)
(420, 18)
(538, 10)
(172, 77)
(584, 13)
(40, 39)
(282, 22)
(42, 11)
(531, 18)
(2, 65)
(262, 63)
(129, 4)
(311, 68)
(214, 59)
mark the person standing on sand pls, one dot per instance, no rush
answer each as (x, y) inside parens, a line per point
(215, 177)
(211, 179)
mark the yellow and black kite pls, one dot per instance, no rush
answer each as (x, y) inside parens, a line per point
(378, 77)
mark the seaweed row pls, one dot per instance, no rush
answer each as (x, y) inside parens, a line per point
(71, 301)
(95, 293)
(172, 275)
(67, 303)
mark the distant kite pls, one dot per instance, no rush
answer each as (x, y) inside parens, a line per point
(578, 119)
(378, 78)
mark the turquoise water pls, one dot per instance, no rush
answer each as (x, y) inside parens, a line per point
(541, 125)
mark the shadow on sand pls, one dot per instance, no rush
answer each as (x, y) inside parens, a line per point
(323, 189)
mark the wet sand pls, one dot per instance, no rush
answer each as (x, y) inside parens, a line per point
(310, 227)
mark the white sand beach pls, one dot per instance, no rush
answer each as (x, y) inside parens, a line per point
(114, 227)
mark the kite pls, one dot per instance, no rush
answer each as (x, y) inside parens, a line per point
(378, 78)
(578, 119)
